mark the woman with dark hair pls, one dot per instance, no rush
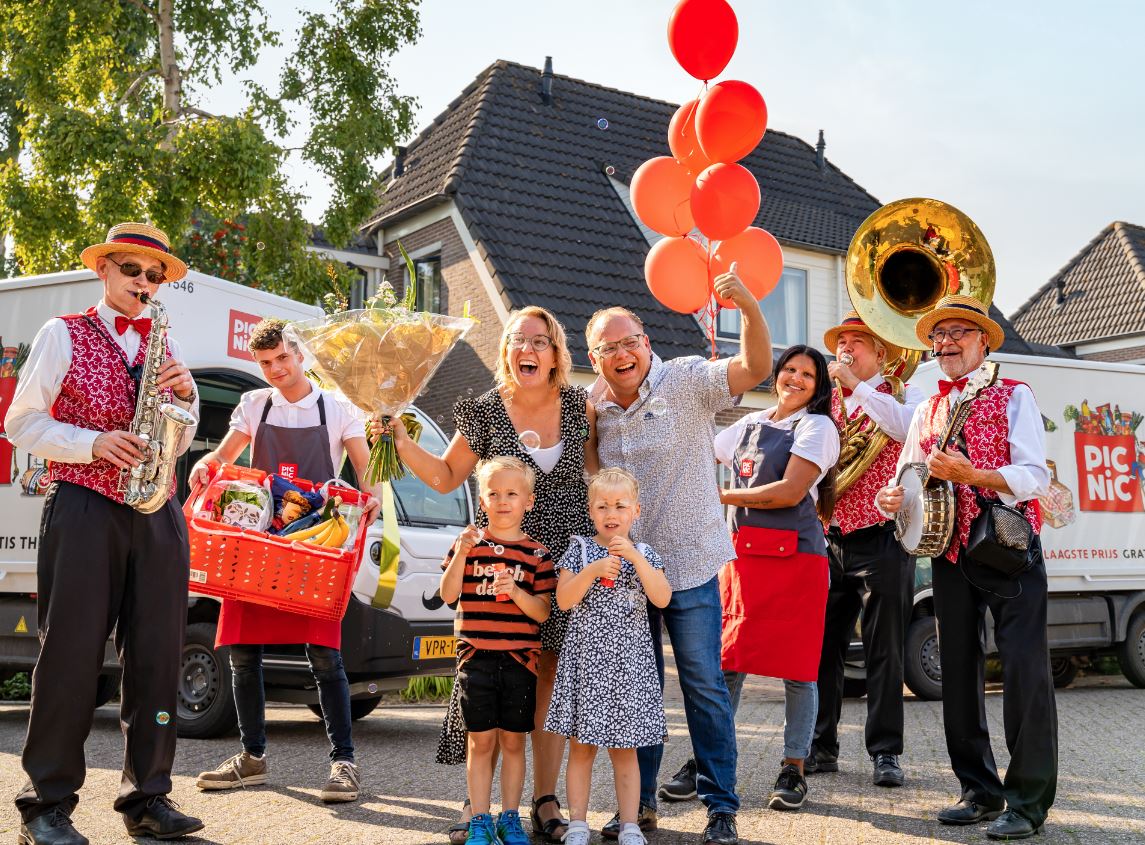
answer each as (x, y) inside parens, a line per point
(775, 592)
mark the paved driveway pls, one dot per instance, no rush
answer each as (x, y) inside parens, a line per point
(409, 799)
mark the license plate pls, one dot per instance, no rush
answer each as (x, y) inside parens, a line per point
(429, 648)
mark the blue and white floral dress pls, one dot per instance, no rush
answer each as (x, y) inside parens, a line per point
(607, 692)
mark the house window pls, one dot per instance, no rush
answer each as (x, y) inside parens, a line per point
(428, 283)
(785, 309)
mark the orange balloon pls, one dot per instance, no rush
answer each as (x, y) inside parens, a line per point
(661, 196)
(682, 138)
(676, 270)
(725, 199)
(758, 258)
(730, 121)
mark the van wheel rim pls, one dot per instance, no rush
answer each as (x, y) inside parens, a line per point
(930, 660)
(198, 683)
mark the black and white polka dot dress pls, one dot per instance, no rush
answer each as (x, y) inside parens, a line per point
(561, 510)
(607, 692)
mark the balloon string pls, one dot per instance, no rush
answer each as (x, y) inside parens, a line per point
(710, 307)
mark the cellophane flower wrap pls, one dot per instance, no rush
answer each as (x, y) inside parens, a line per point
(379, 358)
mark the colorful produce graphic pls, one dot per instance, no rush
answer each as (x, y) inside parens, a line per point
(1110, 459)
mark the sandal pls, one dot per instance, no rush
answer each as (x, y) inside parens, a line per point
(548, 828)
(459, 831)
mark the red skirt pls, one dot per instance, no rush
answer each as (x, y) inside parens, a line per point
(774, 601)
(256, 624)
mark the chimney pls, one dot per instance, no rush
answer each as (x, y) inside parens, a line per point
(820, 159)
(547, 82)
(399, 161)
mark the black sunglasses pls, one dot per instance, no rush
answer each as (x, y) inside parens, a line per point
(131, 269)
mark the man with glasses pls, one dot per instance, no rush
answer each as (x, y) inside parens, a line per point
(656, 419)
(1000, 456)
(102, 565)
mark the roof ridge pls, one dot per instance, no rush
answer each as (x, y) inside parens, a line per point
(1135, 260)
(1069, 265)
(457, 170)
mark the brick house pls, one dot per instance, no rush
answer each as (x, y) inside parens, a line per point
(517, 194)
(1095, 306)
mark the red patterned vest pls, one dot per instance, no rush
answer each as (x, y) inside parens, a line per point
(986, 433)
(96, 394)
(856, 508)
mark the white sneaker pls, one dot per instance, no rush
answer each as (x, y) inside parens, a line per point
(631, 835)
(578, 835)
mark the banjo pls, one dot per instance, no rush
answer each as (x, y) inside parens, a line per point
(924, 525)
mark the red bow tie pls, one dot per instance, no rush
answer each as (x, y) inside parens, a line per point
(140, 324)
(944, 386)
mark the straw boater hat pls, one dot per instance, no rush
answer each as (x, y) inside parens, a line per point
(141, 239)
(854, 323)
(957, 306)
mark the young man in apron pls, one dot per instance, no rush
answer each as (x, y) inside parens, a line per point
(296, 430)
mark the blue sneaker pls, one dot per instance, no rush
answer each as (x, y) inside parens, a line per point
(510, 830)
(482, 831)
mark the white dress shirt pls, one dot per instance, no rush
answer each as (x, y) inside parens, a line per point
(343, 420)
(892, 416)
(1027, 474)
(29, 423)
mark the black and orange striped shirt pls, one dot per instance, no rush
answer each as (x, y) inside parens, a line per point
(483, 622)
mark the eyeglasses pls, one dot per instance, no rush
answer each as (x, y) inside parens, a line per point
(940, 335)
(131, 270)
(629, 344)
(539, 342)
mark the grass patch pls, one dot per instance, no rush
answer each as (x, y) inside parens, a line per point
(428, 688)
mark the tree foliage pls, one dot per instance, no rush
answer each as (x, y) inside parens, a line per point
(104, 116)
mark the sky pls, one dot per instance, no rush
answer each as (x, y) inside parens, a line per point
(1028, 116)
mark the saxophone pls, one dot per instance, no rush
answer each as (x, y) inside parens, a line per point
(159, 425)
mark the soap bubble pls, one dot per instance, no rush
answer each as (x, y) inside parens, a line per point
(609, 170)
(469, 391)
(530, 440)
(260, 245)
(441, 418)
(657, 406)
(602, 123)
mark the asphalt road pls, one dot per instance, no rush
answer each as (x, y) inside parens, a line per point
(407, 798)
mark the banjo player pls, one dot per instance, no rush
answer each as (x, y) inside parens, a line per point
(1003, 459)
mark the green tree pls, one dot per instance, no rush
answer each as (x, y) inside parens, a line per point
(104, 117)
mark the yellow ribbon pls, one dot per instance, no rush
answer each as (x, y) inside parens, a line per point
(391, 551)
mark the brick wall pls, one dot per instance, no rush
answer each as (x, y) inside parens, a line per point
(1129, 353)
(730, 415)
(468, 370)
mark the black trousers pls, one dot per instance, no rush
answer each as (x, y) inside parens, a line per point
(1029, 710)
(868, 567)
(104, 566)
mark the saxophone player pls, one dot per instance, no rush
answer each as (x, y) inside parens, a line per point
(102, 564)
(868, 566)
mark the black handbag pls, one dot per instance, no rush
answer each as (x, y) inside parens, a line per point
(1000, 538)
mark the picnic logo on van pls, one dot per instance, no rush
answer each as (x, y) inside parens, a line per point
(1110, 459)
(239, 325)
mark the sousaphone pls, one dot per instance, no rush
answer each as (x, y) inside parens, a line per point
(904, 258)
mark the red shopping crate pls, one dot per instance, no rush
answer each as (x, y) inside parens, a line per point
(239, 563)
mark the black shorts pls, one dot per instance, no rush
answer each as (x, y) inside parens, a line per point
(497, 691)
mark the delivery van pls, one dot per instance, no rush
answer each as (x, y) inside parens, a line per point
(211, 319)
(1093, 534)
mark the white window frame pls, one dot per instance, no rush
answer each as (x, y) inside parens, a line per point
(734, 336)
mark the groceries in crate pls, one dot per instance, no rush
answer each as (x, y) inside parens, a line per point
(291, 503)
(239, 503)
(332, 530)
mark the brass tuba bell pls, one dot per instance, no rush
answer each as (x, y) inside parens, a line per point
(903, 258)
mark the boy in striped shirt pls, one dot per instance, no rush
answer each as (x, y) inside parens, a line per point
(503, 580)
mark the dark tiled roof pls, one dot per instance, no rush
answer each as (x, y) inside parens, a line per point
(1099, 294)
(529, 181)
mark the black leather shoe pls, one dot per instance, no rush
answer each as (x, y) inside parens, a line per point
(887, 770)
(968, 812)
(646, 819)
(161, 819)
(1013, 825)
(721, 830)
(820, 762)
(52, 828)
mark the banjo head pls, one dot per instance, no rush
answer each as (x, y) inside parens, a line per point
(909, 520)
(924, 524)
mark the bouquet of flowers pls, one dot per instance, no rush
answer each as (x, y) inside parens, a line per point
(380, 358)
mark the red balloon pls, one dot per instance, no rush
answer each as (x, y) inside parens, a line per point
(730, 121)
(758, 258)
(683, 141)
(725, 199)
(676, 270)
(661, 196)
(703, 36)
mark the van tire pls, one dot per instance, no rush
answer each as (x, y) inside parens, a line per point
(922, 670)
(1131, 653)
(205, 698)
(360, 708)
(1064, 670)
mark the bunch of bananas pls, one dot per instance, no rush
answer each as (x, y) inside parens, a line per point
(331, 532)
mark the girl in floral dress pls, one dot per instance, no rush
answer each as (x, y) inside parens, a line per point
(606, 692)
